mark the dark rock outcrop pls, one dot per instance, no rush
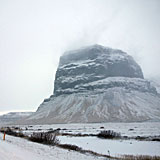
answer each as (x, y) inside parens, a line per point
(91, 64)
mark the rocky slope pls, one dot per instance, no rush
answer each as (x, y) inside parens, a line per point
(99, 84)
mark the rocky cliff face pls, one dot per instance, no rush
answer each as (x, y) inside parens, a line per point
(92, 64)
(99, 84)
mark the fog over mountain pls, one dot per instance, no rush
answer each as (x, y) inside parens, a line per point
(34, 34)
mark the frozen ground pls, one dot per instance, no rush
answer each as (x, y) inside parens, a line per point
(20, 149)
(126, 129)
(114, 147)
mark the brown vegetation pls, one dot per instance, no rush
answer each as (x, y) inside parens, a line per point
(109, 134)
(12, 132)
(139, 157)
(44, 137)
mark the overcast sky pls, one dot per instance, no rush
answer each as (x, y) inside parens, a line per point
(34, 33)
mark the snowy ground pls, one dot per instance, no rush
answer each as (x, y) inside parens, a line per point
(126, 129)
(114, 147)
(20, 149)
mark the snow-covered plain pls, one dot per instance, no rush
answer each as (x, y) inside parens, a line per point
(18, 147)
(114, 147)
(14, 148)
(126, 129)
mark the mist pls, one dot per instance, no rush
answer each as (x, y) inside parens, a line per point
(35, 33)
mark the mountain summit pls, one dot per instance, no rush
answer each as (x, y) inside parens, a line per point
(99, 84)
(91, 64)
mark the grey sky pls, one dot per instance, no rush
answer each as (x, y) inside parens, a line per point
(34, 33)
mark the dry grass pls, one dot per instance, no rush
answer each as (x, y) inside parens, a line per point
(109, 134)
(83, 151)
(139, 157)
(77, 135)
(12, 132)
(45, 137)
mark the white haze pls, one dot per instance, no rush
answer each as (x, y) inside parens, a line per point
(34, 33)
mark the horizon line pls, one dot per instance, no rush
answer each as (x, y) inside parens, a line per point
(6, 112)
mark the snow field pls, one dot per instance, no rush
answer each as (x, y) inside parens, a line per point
(20, 149)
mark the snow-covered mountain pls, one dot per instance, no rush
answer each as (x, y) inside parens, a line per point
(13, 116)
(91, 64)
(156, 84)
(99, 84)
